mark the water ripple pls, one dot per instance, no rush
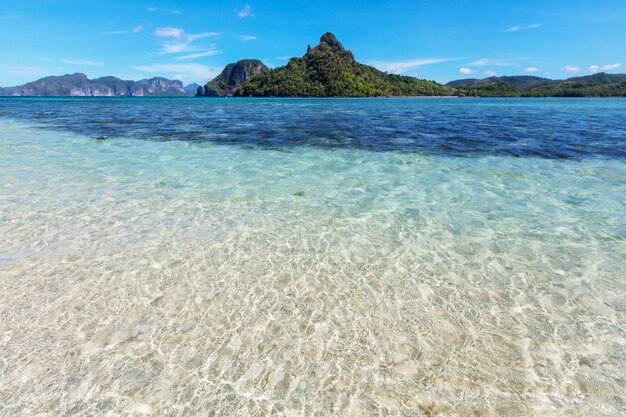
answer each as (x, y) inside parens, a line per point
(545, 128)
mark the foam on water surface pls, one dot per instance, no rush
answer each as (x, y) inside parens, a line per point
(175, 278)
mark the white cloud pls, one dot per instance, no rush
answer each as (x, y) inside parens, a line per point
(195, 37)
(27, 70)
(490, 73)
(210, 52)
(136, 29)
(596, 68)
(400, 67)
(501, 62)
(176, 48)
(185, 44)
(185, 72)
(83, 62)
(116, 32)
(571, 69)
(467, 71)
(245, 12)
(169, 32)
(531, 69)
(246, 38)
(518, 28)
(156, 9)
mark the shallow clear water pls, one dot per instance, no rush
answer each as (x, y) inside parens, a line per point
(229, 274)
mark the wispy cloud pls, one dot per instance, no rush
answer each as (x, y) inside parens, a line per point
(499, 62)
(245, 12)
(518, 28)
(153, 9)
(571, 69)
(182, 42)
(246, 38)
(24, 70)
(184, 72)
(116, 32)
(489, 73)
(530, 70)
(195, 37)
(136, 29)
(176, 48)
(82, 62)
(169, 32)
(596, 68)
(467, 71)
(400, 67)
(210, 52)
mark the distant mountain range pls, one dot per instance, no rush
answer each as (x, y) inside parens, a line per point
(191, 89)
(327, 70)
(596, 85)
(521, 81)
(78, 85)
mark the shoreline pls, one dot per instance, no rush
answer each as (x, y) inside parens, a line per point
(311, 97)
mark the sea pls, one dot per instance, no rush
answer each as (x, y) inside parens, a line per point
(312, 257)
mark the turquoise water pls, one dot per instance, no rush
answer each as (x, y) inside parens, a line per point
(234, 275)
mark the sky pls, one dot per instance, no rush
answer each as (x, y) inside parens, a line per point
(192, 41)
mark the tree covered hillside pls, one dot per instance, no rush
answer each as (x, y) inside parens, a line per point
(329, 70)
(597, 85)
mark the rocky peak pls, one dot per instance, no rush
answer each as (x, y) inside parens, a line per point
(328, 47)
(232, 76)
(331, 40)
(244, 70)
(75, 76)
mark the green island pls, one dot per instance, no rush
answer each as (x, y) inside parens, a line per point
(596, 85)
(329, 70)
(326, 70)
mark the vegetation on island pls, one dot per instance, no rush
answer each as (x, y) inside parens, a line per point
(596, 85)
(329, 70)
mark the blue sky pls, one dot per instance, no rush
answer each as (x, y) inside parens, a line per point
(193, 40)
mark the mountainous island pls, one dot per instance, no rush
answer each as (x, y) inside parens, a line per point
(329, 70)
(326, 70)
(231, 77)
(78, 85)
(596, 85)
